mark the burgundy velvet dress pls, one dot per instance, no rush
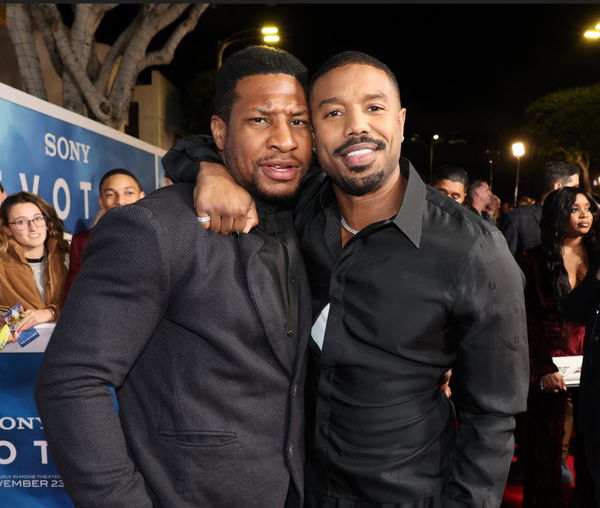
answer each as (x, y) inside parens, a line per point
(549, 335)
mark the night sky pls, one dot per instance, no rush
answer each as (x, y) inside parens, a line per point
(466, 71)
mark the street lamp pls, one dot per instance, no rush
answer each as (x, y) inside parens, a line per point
(492, 155)
(434, 138)
(518, 150)
(269, 35)
(593, 33)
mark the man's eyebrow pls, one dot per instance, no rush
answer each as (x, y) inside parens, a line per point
(331, 100)
(267, 112)
(115, 188)
(369, 96)
(300, 112)
(380, 95)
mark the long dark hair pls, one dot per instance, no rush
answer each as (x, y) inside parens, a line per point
(556, 213)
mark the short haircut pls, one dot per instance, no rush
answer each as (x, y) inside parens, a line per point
(353, 58)
(450, 172)
(118, 171)
(252, 61)
(474, 186)
(556, 171)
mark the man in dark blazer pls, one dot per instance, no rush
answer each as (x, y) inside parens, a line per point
(521, 226)
(203, 336)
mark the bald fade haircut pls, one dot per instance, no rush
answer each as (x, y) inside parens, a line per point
(252, 61)
(353, 58)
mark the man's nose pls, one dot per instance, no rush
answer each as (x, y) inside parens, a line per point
(282, 137)
(356, 122)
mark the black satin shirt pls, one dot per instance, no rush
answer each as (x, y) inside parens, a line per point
(433, 288)
(281, 256)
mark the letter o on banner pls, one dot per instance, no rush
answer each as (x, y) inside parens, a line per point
(12, 455)
(62, 212)
(63, 148)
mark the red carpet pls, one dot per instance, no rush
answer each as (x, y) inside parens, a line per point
(513, 494)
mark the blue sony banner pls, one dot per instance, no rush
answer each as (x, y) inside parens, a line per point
(28, 477)
(61, 156)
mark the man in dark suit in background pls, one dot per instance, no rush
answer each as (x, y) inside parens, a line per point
(521, 226)
(203, 336)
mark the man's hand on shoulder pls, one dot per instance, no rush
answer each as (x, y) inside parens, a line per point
(218, 196)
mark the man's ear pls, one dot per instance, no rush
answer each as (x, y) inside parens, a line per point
(219, 131)
(401, 120)
(100, 203)
(557, 185)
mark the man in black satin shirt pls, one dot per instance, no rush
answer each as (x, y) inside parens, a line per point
(406, 285)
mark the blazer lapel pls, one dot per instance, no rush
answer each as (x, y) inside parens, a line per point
(264, 297)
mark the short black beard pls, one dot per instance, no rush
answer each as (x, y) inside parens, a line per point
(281, 200)
(362, 186)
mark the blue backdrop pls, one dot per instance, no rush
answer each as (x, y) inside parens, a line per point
(61, 156)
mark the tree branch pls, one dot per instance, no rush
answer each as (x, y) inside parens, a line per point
(98, 104)
(165, 55)
(163, 17)
(42, 26)
(115, 51)
(134, 56)
(20, 29)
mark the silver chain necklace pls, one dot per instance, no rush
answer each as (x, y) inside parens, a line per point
(346, 227)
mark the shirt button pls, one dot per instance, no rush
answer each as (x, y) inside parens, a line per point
(294, 389)
(291, 450)
(291, 333)
(293, 280)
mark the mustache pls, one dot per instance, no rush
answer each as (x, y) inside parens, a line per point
(355, 141)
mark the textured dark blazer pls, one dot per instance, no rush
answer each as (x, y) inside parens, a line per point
(185, 324)
(521, 228)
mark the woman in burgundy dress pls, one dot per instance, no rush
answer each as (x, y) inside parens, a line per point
(552, 270)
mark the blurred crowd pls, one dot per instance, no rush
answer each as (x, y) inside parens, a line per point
(39, 264)
(555, 241)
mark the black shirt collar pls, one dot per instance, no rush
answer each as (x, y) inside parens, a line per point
(409, 219)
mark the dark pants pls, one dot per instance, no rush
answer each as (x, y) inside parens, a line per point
(542, 487)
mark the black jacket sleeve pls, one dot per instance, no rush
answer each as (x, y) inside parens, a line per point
(182, 161)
